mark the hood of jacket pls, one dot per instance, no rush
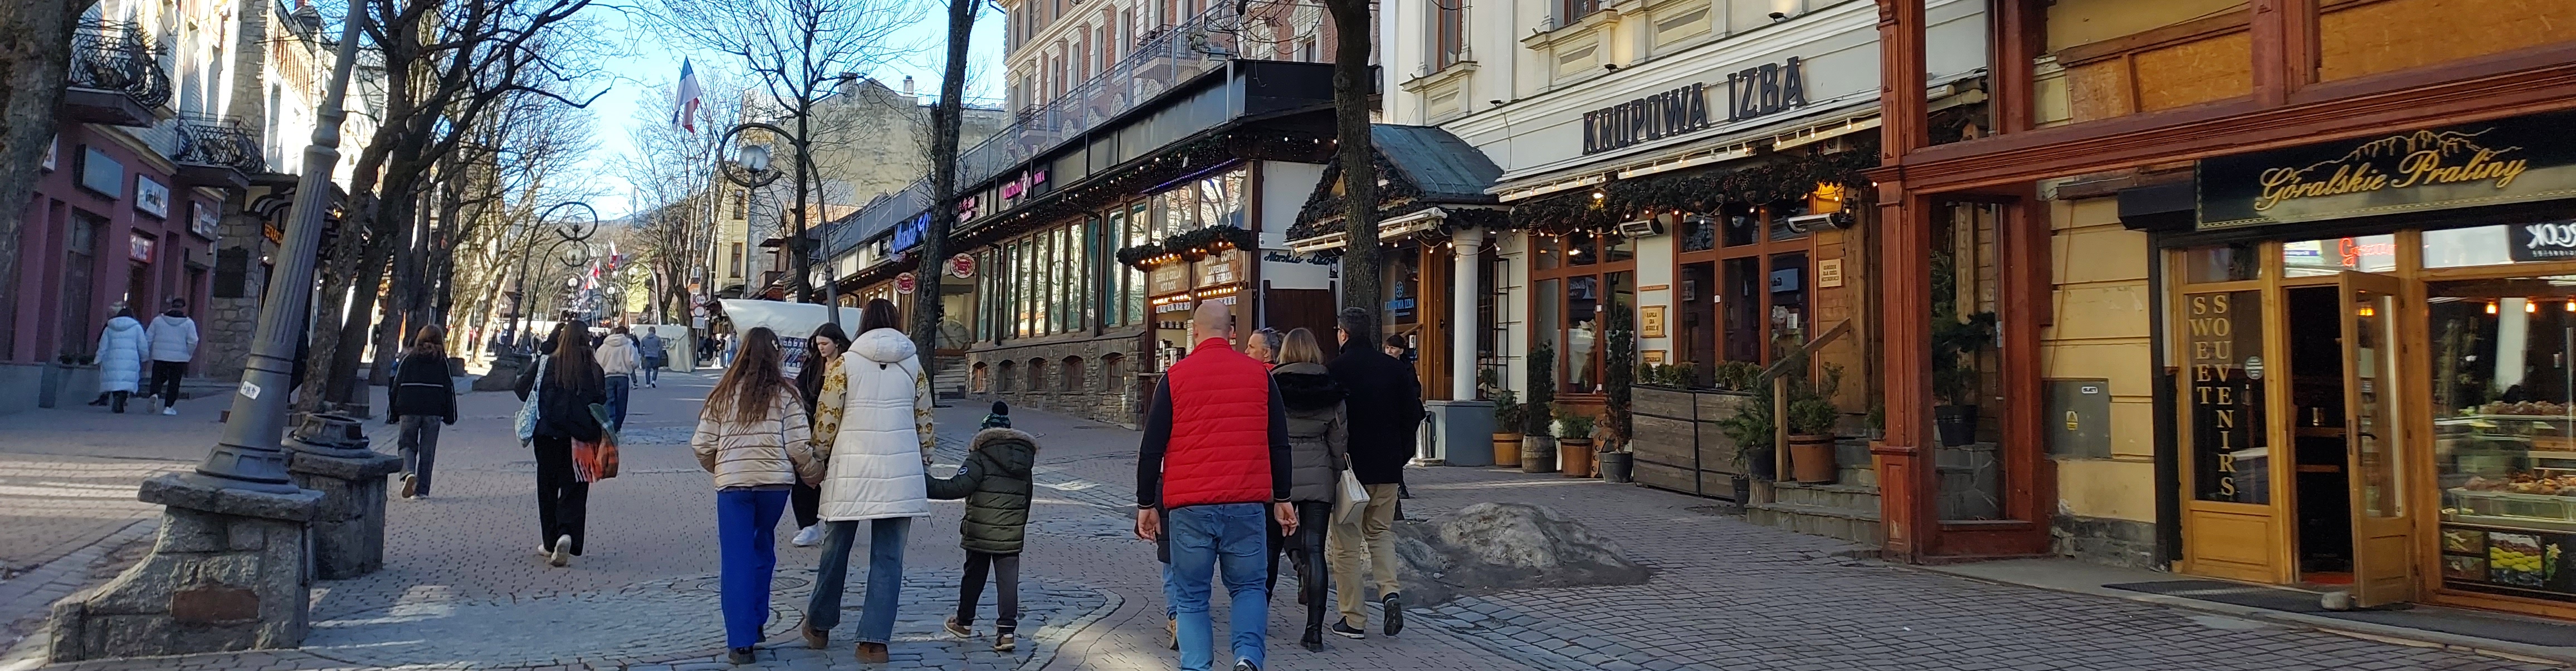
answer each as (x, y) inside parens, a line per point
(123, 323)
(171, 321)
(617, 342)
(883, 346)
(1306, 386)
(1014, 449)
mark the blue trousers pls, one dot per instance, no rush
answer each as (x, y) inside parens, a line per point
(885, 576)
(747, 534)
(617, 387)
(1211, 540)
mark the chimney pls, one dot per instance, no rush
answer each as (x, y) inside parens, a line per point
(907, 85)
(849, 84)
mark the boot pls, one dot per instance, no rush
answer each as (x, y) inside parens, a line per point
(1314, 638)
(872, 653)
(814, 638)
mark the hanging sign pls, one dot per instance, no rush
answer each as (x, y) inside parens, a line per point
(908, 234)
(1757, 91)
(961, 266)
(2549, 241)
(2513, 160)
(903, 284)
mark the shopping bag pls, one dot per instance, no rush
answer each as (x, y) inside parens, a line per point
(1353, 500)
(593, 461)
(527, 419)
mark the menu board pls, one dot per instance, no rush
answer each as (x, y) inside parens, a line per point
(2526, 563)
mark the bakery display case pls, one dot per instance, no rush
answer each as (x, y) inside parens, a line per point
(2508, 482)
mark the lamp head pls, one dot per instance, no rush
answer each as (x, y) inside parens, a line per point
(753, 157)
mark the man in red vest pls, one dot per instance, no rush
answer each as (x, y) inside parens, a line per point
(1215, 460)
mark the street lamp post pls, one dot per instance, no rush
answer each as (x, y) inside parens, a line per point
(570, 232)
(754, 159)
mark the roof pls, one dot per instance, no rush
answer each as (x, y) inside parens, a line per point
(1442, 166)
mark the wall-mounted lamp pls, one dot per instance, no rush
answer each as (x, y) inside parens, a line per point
(1779, 16)
(1613, 67)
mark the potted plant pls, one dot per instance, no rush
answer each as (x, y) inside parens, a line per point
(1619, 377)
(1811, 425)
(1538, 444)
(1750, 427)
(1737, 375)
(1507, 428)
(1574, 442)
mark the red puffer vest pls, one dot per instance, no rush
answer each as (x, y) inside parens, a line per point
(1220, 449)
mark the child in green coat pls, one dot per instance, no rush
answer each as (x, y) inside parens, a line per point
(994, 481)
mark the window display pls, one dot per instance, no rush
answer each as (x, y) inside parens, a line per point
(2504, 443)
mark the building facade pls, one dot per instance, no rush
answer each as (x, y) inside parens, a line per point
(2274, 295)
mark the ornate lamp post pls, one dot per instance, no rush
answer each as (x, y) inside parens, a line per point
(754, 172)
(570, 232)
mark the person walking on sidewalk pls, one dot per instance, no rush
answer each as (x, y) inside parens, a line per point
(174, 342)
(1215, 456)
(1318, 437)
(754, 436)
(619, 362)
(995, 482)
(424, 397)
(656, 356)
(873, 421)
(123, 346)
(1384, 405)
(822, 351)
(566, 384)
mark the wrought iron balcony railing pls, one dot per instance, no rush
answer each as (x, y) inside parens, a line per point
(1165, 57)
(119, 56)
(220, 141)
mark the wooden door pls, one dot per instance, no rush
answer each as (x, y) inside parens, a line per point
(2383, 539)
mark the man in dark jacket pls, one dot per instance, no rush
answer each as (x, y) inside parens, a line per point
(995, 482)
(1385, 405)
(1215, 452)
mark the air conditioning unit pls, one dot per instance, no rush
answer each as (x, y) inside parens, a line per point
(1640, 228)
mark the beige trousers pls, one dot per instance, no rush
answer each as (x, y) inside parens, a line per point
(1346, 544)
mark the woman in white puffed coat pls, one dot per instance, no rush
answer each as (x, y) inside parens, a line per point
(122, 349)
(872, 428)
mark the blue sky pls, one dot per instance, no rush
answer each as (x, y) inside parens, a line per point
(649, 63)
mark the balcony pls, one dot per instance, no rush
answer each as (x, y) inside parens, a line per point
(217, 151)
(1164, 58)
(116, 76)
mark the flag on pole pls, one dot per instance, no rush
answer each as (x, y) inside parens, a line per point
(684, 104)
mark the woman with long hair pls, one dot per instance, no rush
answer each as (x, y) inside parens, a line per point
(566, 382)
(822, 351)
(753, 436)
(1318, 450)
(423, 398)
(872, 428)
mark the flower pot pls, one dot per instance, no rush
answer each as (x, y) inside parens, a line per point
(1762, 465)
(1574, 457)
(1811, 458)
(1616, 466)
(1507, 449)
(1538, 454)
(1956, 424)
(1743, 491)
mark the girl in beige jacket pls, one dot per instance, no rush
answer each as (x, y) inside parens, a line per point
(754, 437)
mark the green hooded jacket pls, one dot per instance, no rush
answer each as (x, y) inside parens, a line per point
(995, 484)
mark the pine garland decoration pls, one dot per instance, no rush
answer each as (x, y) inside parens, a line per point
(1791, 177)
(1190, 245)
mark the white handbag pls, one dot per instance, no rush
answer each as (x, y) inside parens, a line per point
(1354, 499)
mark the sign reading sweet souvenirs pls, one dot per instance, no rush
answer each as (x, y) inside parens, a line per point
(1756, 91)
(2513, 160)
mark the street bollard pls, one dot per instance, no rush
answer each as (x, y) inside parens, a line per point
(331, 457)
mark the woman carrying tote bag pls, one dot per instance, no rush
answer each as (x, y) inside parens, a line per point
(872, 430)
(571, 382)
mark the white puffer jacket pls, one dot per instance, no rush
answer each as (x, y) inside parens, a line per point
(871, 431)
(122, 349)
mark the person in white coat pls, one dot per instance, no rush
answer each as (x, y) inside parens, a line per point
(174, 342)
(122, 348)
(872, 430)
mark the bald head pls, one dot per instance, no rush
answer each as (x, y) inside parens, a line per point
(1210, 320)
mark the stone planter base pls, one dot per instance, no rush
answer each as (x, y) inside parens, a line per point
(225, 573)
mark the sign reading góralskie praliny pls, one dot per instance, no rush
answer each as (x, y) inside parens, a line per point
(2512, 160)
(1756, 91)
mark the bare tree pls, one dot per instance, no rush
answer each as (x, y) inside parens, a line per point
(674, 174)
(946, 122)
(35, 61)
(447, 65)
(794, 51)
(1361, 278)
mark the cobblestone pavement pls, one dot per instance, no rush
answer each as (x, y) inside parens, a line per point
(462, 588)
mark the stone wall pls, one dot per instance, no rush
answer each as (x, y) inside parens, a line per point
(2114, 542)
(230, 320)
(1074, 375)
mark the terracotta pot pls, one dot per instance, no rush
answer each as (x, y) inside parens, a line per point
(1538, 454)
(1811, 458)
(1507, 449)
(1574, 457)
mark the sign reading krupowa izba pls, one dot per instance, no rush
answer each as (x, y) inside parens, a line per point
(2512, 160)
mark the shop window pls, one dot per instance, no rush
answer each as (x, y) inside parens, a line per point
(1699, 233)
(1742, 229)
(1548, 252)
(2310, 258)
(2500, 245)
(1403, 288)
(2223, 263)
(2504, 431)
(2222, 334)
(1966, 362)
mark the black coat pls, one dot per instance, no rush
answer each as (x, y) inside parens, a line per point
(564, 412)
(1385, 407)
(423, 389)
(995, 484)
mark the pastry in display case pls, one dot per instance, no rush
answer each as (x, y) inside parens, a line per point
(2509, 498)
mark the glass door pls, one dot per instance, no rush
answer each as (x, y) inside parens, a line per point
(2382, 535)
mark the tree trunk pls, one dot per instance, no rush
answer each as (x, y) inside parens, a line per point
(1361, 277)
(946, 123)
(35, 62)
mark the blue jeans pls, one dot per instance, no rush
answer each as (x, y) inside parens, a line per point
(1208, 538)
(652, 373)
(885, 577)
(747, 536)
(617, 385)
